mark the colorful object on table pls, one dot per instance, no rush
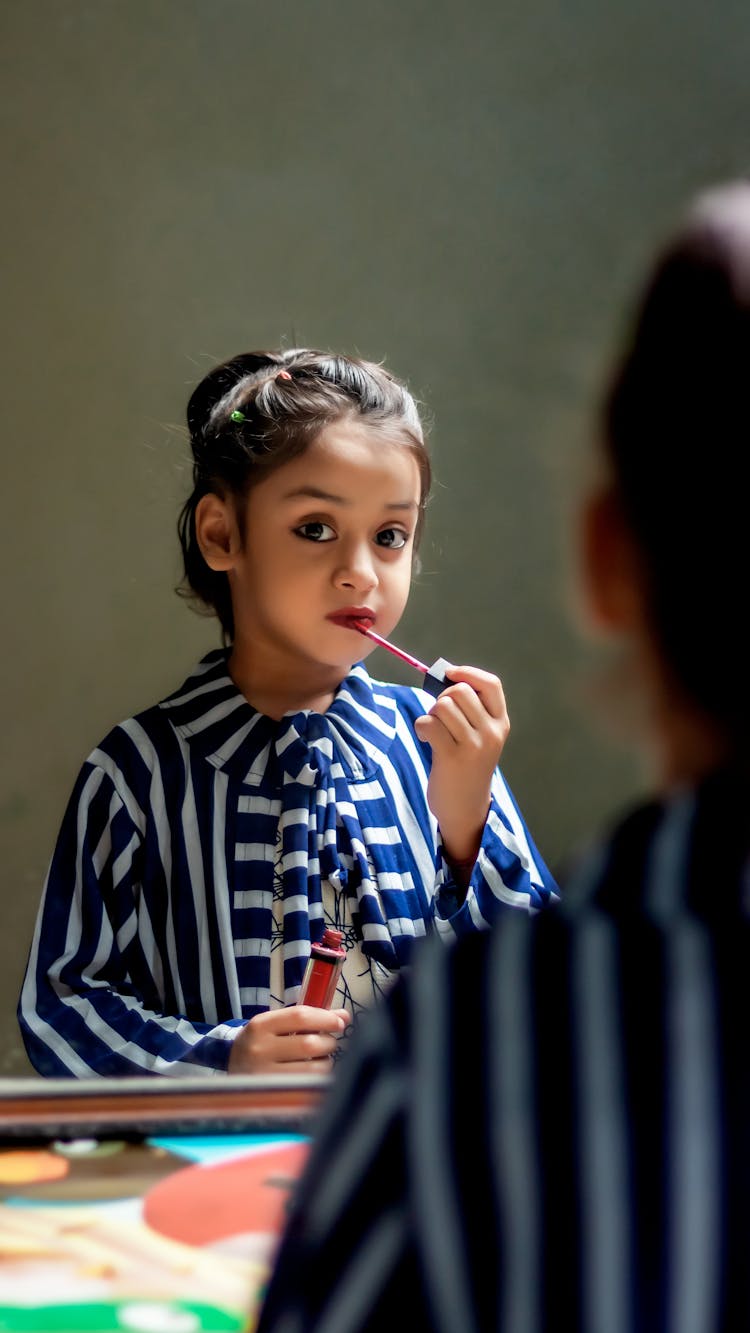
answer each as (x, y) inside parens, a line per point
(207, 1203)
(20, 1167)
(186, 1252)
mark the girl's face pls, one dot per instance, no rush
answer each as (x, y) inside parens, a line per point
(328, 537)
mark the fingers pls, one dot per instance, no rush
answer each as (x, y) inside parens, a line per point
(307, 1046)
(321, 1067)
(461, 712)
(303, 1018)
(292, 1040)
(467, 717)
(488, 687)
(249, 1061)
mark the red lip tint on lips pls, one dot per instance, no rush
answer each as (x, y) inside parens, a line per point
(434, 676)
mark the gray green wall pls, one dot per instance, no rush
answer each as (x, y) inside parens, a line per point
(467, 190)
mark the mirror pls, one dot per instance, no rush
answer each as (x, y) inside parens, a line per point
(462, 196)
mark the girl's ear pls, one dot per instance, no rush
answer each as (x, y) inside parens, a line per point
(610, 571)
(216, 532)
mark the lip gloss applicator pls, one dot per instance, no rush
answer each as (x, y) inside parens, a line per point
(434, 676)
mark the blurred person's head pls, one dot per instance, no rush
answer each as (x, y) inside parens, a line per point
(665, 549)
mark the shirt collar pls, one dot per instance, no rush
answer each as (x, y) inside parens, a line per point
(210, 713)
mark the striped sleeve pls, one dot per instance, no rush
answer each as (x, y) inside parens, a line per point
(80, 1011)
(509, 870)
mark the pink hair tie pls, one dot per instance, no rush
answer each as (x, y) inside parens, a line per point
(283, 375)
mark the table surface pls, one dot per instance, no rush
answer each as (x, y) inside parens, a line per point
(47, 1107)
(145, 1205)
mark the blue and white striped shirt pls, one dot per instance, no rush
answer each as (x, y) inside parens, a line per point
(154, 936)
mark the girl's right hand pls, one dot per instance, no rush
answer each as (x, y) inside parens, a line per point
(297, 1040)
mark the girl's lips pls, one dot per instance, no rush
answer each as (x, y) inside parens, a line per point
(350, 619)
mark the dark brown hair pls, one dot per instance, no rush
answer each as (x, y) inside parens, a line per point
(676, 428)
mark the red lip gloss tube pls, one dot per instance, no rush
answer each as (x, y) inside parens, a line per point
(323, 970)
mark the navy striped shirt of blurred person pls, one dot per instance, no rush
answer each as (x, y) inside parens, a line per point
(491, 1160)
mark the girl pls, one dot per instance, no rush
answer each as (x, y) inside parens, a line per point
(211, 838)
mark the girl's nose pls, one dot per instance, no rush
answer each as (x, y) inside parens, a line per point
(357, 570)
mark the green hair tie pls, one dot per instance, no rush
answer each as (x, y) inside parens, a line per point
(238, 416)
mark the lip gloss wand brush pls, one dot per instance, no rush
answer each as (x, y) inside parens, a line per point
(434, 676)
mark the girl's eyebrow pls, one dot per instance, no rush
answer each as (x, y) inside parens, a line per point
(314, 493)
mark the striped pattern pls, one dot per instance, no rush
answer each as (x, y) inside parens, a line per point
(155, 932)
(546, 1126)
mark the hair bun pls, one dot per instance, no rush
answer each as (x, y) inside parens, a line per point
(219, 381)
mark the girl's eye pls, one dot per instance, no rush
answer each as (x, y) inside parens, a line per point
(393, 538)
(315, 532)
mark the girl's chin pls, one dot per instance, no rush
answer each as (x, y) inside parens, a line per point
(339, 663)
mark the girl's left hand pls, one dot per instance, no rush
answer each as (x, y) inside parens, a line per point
(467, 728)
